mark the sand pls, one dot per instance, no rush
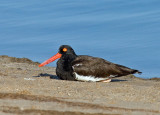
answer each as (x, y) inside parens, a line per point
(27, 89)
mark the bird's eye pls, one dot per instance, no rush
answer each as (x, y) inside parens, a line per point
(64, 49)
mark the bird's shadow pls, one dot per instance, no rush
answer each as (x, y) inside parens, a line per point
(118, 80)
(48, 75)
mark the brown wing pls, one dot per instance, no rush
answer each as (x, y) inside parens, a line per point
(98, 67)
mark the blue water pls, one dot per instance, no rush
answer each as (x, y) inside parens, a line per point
(121, 31)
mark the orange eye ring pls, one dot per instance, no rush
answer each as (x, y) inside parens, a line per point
(64, 49)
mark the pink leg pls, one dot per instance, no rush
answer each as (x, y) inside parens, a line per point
(106, 81)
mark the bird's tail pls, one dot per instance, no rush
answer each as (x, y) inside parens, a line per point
(136, 71)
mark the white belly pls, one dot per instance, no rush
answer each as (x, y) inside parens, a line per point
(88, 78)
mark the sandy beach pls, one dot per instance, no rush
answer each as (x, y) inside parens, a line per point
(27, 89)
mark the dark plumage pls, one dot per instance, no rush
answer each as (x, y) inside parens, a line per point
(86, 68)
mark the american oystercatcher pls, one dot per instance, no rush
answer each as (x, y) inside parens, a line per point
(86, 68)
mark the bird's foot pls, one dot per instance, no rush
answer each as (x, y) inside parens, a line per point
(106, 81)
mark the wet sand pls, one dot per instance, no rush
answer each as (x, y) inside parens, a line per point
(27, 89)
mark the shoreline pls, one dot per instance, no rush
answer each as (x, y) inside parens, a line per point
(26, 60)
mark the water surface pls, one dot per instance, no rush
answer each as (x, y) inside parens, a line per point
(120, 31)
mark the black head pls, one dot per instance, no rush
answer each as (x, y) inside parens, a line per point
(65, 52)
(66, 49)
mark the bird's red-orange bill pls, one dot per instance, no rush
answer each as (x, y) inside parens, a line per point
(53, 58)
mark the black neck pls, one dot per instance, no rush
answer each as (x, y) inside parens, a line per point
(67, 61)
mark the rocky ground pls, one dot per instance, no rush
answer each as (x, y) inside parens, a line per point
(27, 89)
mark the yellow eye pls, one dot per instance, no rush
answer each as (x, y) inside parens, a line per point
(64, 49)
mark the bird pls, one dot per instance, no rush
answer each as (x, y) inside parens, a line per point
(73, 67)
